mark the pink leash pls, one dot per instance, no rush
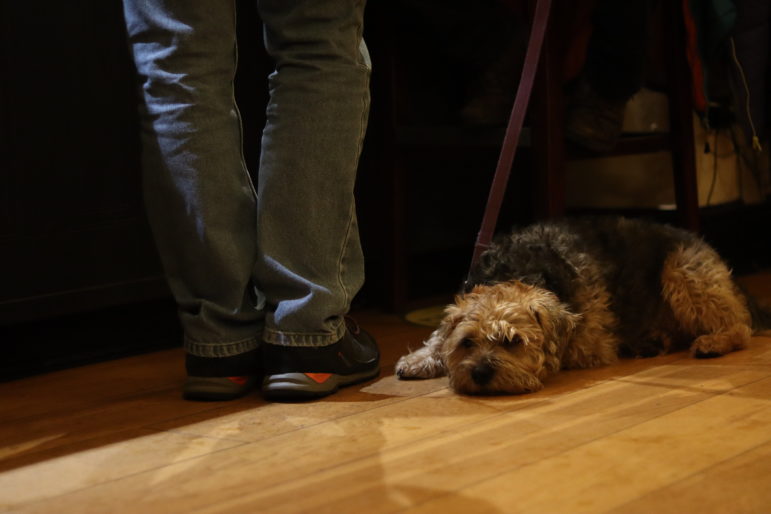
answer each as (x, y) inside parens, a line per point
(510, 140)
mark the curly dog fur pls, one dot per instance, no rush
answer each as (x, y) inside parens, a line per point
(577, 294)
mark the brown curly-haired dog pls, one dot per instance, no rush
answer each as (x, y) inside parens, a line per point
(578, 293)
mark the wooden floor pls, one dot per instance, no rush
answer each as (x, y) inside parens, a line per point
(668, 434)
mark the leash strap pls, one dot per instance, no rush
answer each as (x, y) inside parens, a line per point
(513, 130)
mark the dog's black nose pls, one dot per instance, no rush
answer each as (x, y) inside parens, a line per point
(482, 373)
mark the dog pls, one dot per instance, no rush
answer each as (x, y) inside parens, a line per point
(579, 293)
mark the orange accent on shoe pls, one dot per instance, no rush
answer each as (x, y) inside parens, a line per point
(239, 380)
(319, 378)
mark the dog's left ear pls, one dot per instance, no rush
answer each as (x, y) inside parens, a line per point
(555, 319)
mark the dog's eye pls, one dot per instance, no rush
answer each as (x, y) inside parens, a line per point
(467, 343)
(515, 340)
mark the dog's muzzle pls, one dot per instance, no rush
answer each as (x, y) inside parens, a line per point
(482, 373)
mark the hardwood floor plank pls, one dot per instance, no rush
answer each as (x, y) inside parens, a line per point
(92, 385)
(741, 484)
(542, 429)
(282, 459)
(45, 416)
(492, 449)
(266, 420)
(642, 432)
(384, 453)
(611, 471)
(84, 467)
(45, 437)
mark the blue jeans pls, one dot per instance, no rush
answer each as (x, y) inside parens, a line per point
(279, 263)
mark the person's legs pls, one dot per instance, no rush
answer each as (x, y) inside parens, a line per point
(309, 260)
(199, 198)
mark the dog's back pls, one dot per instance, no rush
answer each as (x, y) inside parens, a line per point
(575, 294)
(552, 254)
(625, 255)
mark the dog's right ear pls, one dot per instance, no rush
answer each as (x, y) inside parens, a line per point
(557, 323)
(452, 316)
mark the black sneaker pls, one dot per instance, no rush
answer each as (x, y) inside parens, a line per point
(221, 378)
(302, 372)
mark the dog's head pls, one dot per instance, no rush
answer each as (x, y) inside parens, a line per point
(505, 338)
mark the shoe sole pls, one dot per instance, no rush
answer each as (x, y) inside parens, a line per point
(303, 386)
(216, 388)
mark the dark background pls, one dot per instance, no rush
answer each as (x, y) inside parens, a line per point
(79, 278)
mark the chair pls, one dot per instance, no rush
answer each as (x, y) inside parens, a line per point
(547, 109)
(545, 138)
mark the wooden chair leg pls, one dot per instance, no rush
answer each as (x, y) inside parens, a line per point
(681, 124)
(547, 111)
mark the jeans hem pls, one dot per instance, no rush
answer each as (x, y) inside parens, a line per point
(281, 338)
(221, 349)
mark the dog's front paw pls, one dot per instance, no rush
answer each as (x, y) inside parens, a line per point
(419, 364)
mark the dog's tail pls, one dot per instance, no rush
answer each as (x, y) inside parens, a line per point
(760, 312)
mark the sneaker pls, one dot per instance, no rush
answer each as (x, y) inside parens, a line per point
(307, 372)
(594, 122)
(221, 378)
